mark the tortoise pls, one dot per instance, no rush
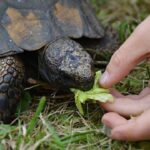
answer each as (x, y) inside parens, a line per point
(50, 28)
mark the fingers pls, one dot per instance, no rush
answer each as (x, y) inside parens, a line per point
(124, 106)
(108, 120)
(134, 129)
(135, 49)
(116, 93)
(127, 106)
(143, 93)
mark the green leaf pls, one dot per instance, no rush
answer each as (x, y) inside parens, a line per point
(97, 77)
(101, 97)
(95, 94)
(78, 104)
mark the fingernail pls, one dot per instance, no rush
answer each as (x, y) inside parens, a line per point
(104, 78)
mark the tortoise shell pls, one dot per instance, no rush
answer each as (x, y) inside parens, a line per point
(31, 24)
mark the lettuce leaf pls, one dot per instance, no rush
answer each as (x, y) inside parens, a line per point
(95, 94)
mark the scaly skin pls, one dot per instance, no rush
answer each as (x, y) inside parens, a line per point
(65, 64)
(11, 77)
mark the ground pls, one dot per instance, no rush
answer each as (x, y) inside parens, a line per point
(56, 123)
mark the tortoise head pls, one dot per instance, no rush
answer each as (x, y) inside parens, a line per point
(65, 64)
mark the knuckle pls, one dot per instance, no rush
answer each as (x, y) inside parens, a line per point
(132, 134)
(115, 62)
(117, 59)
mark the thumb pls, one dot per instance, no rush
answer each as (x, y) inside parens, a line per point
(134, 50)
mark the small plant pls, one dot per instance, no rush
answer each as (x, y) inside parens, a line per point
(95, 94)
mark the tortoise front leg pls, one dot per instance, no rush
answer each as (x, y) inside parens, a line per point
(11, 78)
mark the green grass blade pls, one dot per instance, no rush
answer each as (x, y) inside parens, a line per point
(24, 102)
(77, 135)
(5, 129)
(33, 122)
(54, 134)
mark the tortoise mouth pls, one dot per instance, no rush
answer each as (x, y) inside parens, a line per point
(79, 82)
(84, 85)
(66, 81)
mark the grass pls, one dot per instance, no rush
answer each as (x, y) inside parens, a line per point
(55, 124)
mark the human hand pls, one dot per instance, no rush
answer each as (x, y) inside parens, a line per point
(135, 128)
(135, 49)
